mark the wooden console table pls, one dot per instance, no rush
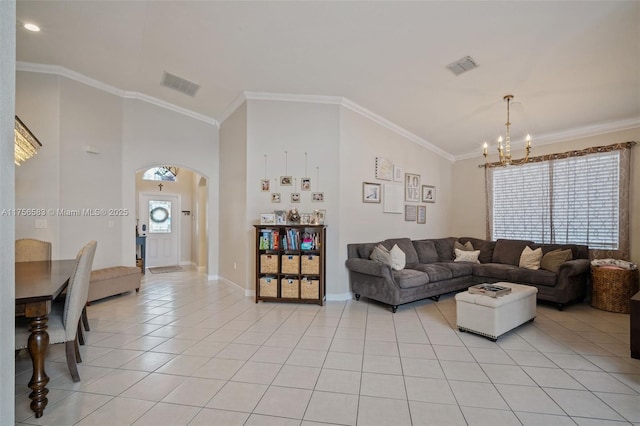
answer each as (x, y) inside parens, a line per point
(141, 244)
(634, 319)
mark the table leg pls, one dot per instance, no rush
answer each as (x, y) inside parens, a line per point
(38, 343)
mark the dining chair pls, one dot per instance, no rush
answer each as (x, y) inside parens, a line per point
(31, 250)
(64, 322)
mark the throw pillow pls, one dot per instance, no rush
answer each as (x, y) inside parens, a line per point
(381, 255)
(467, 256)
(552, 260)
(530, 259)
(398, 258)
(464, 247)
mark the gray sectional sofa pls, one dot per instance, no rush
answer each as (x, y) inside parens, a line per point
(431, 271)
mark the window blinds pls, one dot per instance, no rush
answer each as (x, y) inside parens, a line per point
(569, 200)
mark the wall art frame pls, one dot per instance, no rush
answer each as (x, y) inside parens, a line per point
(428, 194)
(371, 192)
(412, 187)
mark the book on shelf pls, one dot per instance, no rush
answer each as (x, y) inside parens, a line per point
(491, 290)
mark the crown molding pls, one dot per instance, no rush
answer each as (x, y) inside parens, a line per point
(577, 133)
(334, 100)
(81, 78)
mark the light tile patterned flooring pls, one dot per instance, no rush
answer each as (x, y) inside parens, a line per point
(187, 351)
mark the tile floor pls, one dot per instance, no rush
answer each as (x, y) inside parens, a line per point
(187, 351)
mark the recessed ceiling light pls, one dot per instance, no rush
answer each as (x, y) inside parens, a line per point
(32, 27)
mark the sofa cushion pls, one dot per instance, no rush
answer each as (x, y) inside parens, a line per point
(497, 271)
(466, 255)
(508, 251)
(552, 260)
(364, 250)
(380, 254)
(529, 276)
(444, 247)
(463, 246)
(406, 246)
(408, 278)
(530, 259)
(426, 250)
(458, 269)
(435, 272)
(398, 258)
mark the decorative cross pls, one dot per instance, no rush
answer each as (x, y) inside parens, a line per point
(160, 186)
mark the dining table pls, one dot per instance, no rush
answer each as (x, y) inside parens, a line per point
(38, 283)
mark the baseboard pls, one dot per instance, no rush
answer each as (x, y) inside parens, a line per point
(339, 297)
(247, 292)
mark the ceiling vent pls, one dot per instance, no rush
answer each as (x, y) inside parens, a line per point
(463, 65)
(180, 84)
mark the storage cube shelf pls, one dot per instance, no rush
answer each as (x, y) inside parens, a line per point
(290, 263)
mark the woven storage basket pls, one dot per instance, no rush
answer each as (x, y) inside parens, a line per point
(290, 264)
(310, 289)
(613, 288)
(289, 288)
(310, 264)
(268, 264)
(268, 287)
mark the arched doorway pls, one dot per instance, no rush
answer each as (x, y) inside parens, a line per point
(171, 211)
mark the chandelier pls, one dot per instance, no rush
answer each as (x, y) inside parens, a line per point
(504, 153)
(26, 145)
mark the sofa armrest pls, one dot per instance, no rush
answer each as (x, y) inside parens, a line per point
(369, 267)
(574, 267)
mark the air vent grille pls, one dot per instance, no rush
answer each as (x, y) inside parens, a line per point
(463, 65)
(180, 84)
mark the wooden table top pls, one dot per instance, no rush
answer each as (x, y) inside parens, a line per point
(42, 280)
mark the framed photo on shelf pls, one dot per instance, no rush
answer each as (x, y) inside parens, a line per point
(410, 213)
(411, 187)
(371, 192)
(295, 197)
(265, 184)
(305, 218)
(281, 217)
(286, 180)
(267, 219)
(422, 215)
(428, 194)
(321, 215)
(317, 197)
(275, 197)
(305, 184)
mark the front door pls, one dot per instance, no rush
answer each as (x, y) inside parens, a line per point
(158, 213)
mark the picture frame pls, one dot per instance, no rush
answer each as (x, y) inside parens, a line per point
(393, 198)
(305, 184)
(410, 213)
(267, 219)
(398, 173)
(305, 219)
(371, 192)
(265, 185)
(428, 194)
(286, 180)
(281, 217)
(411, 187)
(317, 197)
(275, 197)
(295, 197)
(384, 169)
(321, 215)
(422, 215)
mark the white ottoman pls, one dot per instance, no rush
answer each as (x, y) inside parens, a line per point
(492, 317)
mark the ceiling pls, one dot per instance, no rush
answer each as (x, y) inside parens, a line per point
(573, 67)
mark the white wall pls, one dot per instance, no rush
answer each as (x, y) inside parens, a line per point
(361, 141)
(469, 213)
(7, 223)
(274, 127)
(235, 256)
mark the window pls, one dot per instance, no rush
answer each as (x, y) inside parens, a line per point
(162, 173)
(568, 200)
